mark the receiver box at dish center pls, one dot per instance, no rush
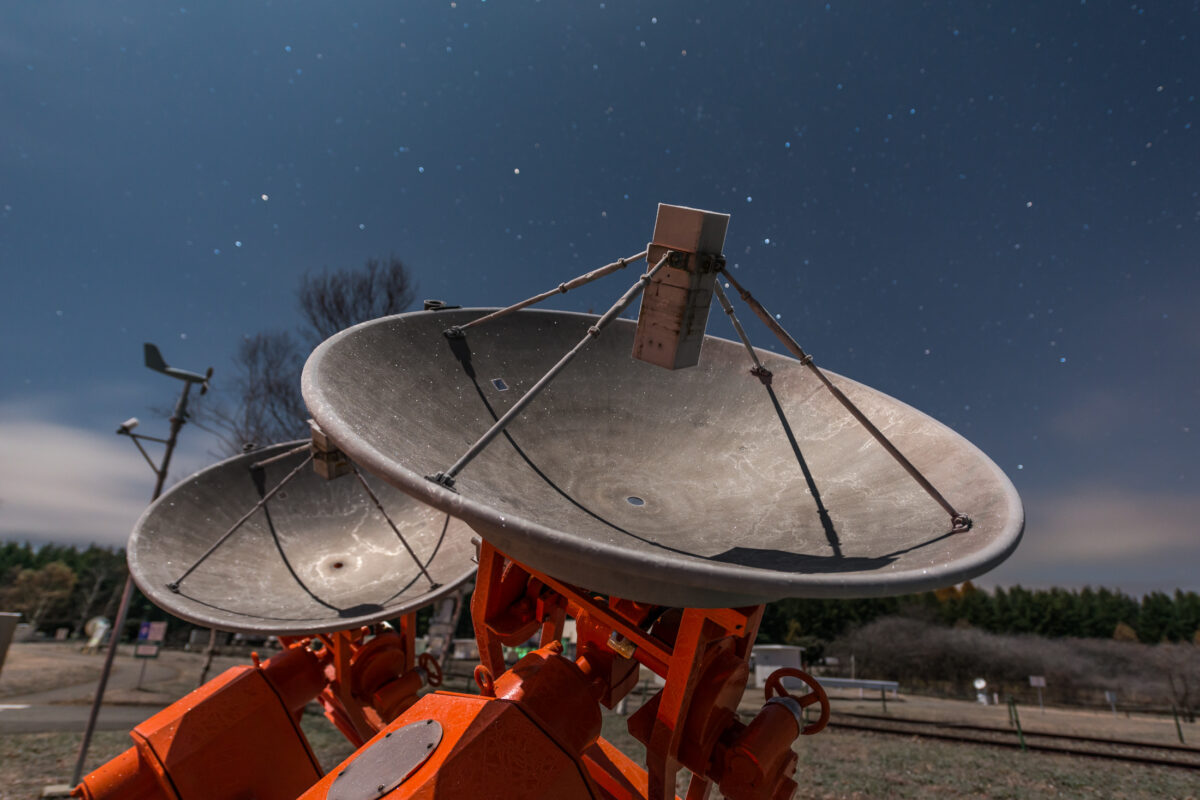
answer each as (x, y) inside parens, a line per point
(674, 312)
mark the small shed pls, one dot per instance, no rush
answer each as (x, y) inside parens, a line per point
(766, 658)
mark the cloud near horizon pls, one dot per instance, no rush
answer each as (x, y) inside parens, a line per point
(69, 485)
(1106, 536)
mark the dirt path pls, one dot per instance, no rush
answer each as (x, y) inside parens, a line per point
(58, 673)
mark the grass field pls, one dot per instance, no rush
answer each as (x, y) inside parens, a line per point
(833, 764)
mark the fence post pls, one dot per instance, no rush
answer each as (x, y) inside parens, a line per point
(1178, 727)
(1016, 718)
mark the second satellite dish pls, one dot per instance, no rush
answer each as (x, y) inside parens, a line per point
(698, 488)
(318, 555)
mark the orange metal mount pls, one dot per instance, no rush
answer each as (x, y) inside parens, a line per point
(533, 732)
(702, 655)
(238, 736)
(370, 675)
(534, 735)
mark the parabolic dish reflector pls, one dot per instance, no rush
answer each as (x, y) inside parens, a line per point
(680, 488)
(319, 556)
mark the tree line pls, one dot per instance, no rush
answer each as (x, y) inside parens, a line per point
(56, 586)
(63, 586)
(1054, 613)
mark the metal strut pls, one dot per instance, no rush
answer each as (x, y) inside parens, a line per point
(562, 288)
(281, 457)
(447, 478)
(758, 371)
(174, 585)
(432, 583)
(961, 522)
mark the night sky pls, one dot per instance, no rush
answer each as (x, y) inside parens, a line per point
(989, 211)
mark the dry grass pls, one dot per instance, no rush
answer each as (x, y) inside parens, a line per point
(849, 764)
(833, 764)
(33, 667)
(30, 761)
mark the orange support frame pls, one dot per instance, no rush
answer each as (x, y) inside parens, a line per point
(534, 733)
(702, 654)
(237, 736)
(371, 676)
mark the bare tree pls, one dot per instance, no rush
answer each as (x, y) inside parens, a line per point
(336, 299)
(266, 384)
(1180, 665)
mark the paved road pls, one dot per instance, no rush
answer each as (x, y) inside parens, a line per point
(22, 718)
(66, 708)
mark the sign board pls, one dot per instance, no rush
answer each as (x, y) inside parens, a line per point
(152, 632)
(150, 636)
(1037, 681)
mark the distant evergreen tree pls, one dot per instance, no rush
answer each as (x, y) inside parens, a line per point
(1054, 613)
(1001, 612)
(1157, 621)
(1187, 609)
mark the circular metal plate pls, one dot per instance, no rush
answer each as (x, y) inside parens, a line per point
(387, 762)
(319, 558)
(679, 488)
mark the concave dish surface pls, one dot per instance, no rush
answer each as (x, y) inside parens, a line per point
(319, 558)
(680, 488)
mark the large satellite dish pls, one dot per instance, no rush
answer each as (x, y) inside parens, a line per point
(317, 556)
(679, 488)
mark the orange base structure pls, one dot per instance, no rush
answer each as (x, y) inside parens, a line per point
(237, 736)
(533, 732)
(492, 749)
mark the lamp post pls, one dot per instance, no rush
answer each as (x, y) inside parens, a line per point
(154, 361)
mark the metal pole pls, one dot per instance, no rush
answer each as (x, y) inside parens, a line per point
(141, 674)
(178, 417)
(562, 288)
(209, 652)
(1016, 718)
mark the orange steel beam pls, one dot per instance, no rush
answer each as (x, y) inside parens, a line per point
(370, 676)
(534, 732)
(700, 655)
(238, 736)
(214, 742)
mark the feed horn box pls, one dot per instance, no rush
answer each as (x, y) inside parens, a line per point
(674, 312)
